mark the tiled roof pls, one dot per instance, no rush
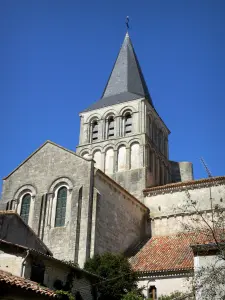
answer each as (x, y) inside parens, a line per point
(16, 281)
(126, 81)
(166, 253)
(184, 184)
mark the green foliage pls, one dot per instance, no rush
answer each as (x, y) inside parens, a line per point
(119, 277)
(65, 295)
(172, 296)
(71, 263)
(133, 295)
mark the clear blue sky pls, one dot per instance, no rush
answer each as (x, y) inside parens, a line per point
(56, 56)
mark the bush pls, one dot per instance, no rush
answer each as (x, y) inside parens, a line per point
(117, 272)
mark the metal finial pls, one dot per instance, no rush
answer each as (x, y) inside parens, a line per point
(206, 168)
(127, 22)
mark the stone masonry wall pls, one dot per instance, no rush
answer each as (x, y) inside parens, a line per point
(53, 164)
(120, 221)
(166, 207)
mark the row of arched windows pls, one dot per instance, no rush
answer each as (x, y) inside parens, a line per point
(116, 161)
(60, 213)
(57, 202)
(109, 130)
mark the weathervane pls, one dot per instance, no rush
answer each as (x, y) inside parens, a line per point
(127, 22)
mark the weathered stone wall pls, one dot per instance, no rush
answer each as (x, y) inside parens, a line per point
(136, 160)
(80, 282)
(13, 230)
(120, 220)
(181, 171)
(167, 206)
(40, 175)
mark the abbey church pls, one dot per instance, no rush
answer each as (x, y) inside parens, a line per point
(118, 191)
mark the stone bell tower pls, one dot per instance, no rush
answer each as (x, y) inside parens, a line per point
(123, 132)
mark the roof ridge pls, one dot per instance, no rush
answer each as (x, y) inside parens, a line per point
(39, 148)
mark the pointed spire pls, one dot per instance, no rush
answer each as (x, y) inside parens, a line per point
(126, 75)
(126, 82)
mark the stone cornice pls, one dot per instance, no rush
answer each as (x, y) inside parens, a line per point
(181, 186)
(183, 214)
(165, 273)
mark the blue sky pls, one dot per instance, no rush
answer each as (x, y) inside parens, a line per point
(56, 56)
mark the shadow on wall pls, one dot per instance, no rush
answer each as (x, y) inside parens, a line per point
(181, 171)
(175, 171)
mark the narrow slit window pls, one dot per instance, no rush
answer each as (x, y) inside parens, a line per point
(61, 207)
(25, 208)
(94, 131)
(128, 123)
(111, 127)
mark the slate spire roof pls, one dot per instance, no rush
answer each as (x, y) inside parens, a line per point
(126, 81)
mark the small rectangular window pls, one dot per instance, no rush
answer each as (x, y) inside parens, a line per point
(128, 124)
(94, 130)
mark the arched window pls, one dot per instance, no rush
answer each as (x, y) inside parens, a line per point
(97, 158)
(95, 130)
(127, 123)
(25, 208)
(61, 207)
(135, 156)
(122, 158)
(85, 155)
(111, 126)
(109, 161)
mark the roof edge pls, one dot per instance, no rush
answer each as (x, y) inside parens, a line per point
(39, 148)
(106, 177)
(183, 184)
(12, 212)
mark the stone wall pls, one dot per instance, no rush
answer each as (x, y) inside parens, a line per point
(165, 286)
(11, 263)
(80, 282)
(181, 171)
(121, 220)
(139, 157)
(13, 230)
(41, 175)
(167, 206)
(54, 270)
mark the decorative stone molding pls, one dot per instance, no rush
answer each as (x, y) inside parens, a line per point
(28, 188)
(182, 186)
(60, 181)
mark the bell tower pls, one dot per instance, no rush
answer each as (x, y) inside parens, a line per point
(123, 132)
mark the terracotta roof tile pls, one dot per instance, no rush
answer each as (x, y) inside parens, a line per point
(166, 253)
(12, 280)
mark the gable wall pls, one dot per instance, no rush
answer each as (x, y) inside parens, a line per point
(46, 166)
